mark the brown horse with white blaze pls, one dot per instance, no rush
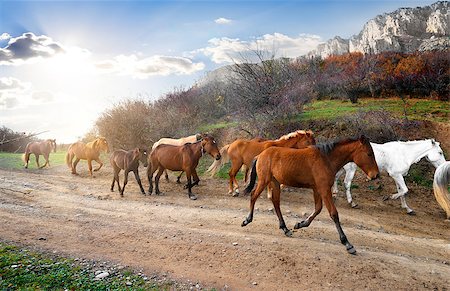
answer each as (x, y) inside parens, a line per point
(129, 162)
(180, 158)
(39, 148)
(313, 167)
(243, 151)
(89, 151)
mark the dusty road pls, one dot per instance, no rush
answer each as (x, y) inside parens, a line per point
(203, 241)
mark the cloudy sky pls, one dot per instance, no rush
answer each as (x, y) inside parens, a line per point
(63, 63)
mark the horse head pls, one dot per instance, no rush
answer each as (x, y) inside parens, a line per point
(101, 144)
(143, 156)
(52, 144)
(364, 157)
(435, 155)
(304, 138)
(209, 146)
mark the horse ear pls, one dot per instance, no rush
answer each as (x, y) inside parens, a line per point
(433, 142)
(363, 138)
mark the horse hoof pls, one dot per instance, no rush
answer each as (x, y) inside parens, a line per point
(235, 194)
(245, 222)
(288, 233)
(351, 250)
(412, 212)
(354, 205)
(193, 197)
(386, 198)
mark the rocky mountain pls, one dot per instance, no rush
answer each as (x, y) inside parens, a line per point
(404, 30)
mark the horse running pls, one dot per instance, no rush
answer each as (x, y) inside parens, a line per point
(395, 158)
(90, 152)
(180, 158)
(39, 148)
(177, 142)
(440, 186)
(129, 162)
(313, 167)
(243, 151)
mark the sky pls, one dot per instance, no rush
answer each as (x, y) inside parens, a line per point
(63, 63)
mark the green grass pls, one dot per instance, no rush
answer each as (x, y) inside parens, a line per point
(416, 109)
(14, 161)
(25, 270)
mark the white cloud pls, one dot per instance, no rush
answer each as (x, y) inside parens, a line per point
(27, 48)
(5, 36)
(143, 68)
(13, 91)
(228, 50)
(222, 20)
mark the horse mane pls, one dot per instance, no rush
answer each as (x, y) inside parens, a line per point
(295, 134)
(328, 147)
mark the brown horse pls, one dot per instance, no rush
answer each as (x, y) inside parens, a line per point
(180, 158)
(313, 167)
(39, 148)
(129, 162)
(90, 152)
(243, 151)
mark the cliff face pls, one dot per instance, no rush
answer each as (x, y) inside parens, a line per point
(404, 30)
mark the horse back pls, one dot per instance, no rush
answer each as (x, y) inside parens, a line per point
(81, 151)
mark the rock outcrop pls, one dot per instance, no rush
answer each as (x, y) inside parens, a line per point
(404, 30)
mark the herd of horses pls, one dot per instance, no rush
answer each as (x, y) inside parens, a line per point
(293, 160)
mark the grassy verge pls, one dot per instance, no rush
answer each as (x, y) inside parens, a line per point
(14, 160)
(26, 270)
(416, 109)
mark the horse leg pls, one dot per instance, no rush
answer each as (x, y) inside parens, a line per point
(179, 177)
(234, 186)
(100, 164)
(158, 175)
(255, 194)
(318, 208)
(402, 190)
(150, 171)
(276, 191)
(350, 173)
(335, 216)
(138, 179)
(74, 166)
(89, 161)
(125, 181)
(27, 159)
(37, 160)
(246, 171)
(189, 185)
(196, 178)
(115, 178)
(335, 188)
(46, 161)
(166, 175)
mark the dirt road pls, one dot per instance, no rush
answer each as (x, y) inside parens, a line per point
(203, 241)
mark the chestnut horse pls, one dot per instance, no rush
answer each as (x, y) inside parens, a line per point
(129, 162)
(243, 151)
(180, 158)
(39, 148)
(89, 151)
(178, 142)
(440, 186)
(313, 167)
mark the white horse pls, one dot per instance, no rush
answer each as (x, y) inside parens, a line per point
(440, 184)
(177, 142)
(395, 158)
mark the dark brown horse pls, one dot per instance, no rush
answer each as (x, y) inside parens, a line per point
(313, 167)
(243, 151)
(129, 162)
(90, 152)
(180, 158)
(39, 148)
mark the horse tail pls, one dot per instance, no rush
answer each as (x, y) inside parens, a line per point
(26, 155)
(440, 184)
(217, 164)
(252, 182)
(69, 157)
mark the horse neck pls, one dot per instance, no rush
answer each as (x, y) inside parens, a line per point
(414, 151)
(284, 142)
(196, 149)
(340, 155)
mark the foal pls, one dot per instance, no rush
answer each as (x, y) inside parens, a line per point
(129, 162)
(313, 167)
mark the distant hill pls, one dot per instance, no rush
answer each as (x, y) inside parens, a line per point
(404, 30)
